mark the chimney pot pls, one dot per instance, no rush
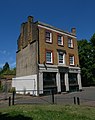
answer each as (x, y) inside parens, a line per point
(73, 30)
(30, 18)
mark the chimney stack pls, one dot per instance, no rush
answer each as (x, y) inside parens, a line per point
(22, 28)
(30, 18)
(73, 31)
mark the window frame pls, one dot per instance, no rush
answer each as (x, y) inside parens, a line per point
(48, 39)
(63, 61)
(51, 57)
(70, 42)
(72, 63)
(61, 40)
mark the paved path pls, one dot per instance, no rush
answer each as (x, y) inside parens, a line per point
(87, 97)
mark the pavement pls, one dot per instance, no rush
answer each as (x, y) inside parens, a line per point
(84, 97)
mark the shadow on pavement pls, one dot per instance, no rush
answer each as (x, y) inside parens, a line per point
(17, 117)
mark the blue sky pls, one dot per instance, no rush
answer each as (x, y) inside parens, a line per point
(63, 14)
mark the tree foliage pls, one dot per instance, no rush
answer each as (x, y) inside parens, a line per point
(86, 51)
(92, 40)
(6, 70)
(6, 67)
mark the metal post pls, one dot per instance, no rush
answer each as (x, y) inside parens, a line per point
(9, 101)
(78, 101)
(74, 100)
(5, 89)
(52, 96)
(13, 98)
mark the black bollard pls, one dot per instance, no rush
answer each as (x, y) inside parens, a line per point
(13, 97)
(52, 96)
(74, 100)
(9, 101)
(78, 101)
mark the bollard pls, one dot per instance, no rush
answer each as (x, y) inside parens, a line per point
(52, 97)
(74, 100)
(9, 101)
(78, 101)
(13, 97)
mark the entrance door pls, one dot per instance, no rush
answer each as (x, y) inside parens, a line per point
(63, 89)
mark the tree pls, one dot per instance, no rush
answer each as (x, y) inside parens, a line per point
(85, 50)
(92, 40)
(7, 71)
(6, 67)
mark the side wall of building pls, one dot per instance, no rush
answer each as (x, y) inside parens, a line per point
(26, 60)
(26, 56)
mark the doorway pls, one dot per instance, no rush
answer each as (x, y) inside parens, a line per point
(62, 79)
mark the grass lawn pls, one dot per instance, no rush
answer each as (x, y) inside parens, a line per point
(47, 112)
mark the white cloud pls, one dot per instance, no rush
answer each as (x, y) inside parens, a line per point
(4, 52)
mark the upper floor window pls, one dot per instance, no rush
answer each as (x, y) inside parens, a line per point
(61, 57)
(49, 57)
(70, 42)
(71, 59)
(48, 36)
(60, 39)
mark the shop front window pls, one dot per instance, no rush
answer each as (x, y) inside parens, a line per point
(49, 79)
(73, 79)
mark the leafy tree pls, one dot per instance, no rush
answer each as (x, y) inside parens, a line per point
(7, 71)
(6, 67)
(86, 51)
(85, 58)
(92, 40)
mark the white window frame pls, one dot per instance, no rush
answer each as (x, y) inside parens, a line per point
(70, 42)
(61, 40)
(50, 36)
(51, 57)
(72, 62)
(63, 60)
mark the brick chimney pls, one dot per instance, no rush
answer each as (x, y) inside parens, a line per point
(30, 18)
(29, 28)
(73, 31)
(22, 28)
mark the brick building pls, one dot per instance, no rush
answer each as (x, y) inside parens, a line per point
(47, 58)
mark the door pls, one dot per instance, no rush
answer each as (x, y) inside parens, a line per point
(63, 89)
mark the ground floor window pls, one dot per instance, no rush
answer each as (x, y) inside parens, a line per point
(49, 79)
(73, 79)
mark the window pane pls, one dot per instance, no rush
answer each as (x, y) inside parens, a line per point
(73, 78)
(70, 42)
(48, 36)
(71, 58)
(48, 57)
(61, 57)
(49, 79)
(60, 42)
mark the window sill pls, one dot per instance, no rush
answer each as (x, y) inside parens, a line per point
(60, 45)
(71, 47)
(49, 63)
(49, 42)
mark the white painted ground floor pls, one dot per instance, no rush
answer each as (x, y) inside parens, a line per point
(58, 78)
